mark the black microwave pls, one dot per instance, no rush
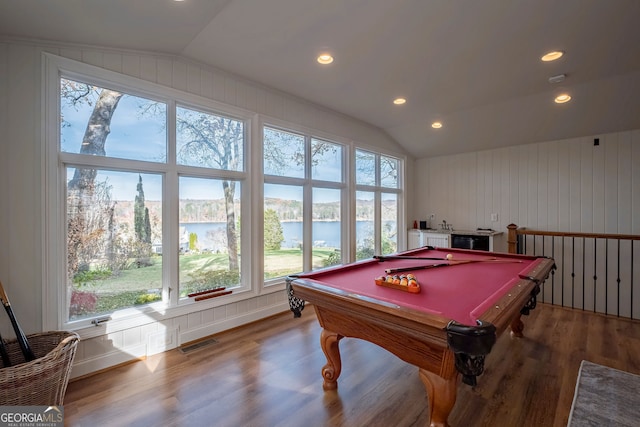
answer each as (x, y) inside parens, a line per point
(470, 241)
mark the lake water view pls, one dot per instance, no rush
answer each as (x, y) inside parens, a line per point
(325, 233)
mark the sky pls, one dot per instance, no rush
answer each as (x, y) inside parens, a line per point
(143, 137)
(127, 125)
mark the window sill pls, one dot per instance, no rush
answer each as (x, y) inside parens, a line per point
(152, 313)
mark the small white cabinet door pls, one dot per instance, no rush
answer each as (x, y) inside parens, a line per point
(437, 240)
(415, 239)
(419, 238)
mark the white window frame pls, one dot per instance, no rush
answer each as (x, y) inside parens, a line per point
(308, 184)
(378, 190)
(54, 185)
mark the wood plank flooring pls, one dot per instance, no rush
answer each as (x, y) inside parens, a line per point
(268, 374)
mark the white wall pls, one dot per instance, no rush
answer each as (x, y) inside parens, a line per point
(21, 186)
(568, 185)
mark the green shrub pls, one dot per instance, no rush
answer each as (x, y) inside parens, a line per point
(334, 258)
(148, 298)
(86, 276)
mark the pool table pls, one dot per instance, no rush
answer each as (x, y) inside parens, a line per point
(465, 300)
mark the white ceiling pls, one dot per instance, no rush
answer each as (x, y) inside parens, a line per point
(473, 64)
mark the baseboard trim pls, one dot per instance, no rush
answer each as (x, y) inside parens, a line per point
(204, 331)
(92, 365)
(112, 359)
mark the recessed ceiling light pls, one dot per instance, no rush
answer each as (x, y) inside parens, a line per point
(399, 101)
(562, 98)
(436, 125)
(325, 59)
(552, 56)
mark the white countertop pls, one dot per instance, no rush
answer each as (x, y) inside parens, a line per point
(483, 232)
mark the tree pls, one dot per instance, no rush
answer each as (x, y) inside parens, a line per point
(209, 140)
(283, 149)
(89, 226)
(147, 226)
(214, 141)
(193, 241)
(95, 136)
(273, 235)
(141, 221)
(85, 228)
(204, 140)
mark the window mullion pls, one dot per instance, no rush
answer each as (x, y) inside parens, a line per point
(307, 209)
(171, 226)
(377, 220)
(349, 206)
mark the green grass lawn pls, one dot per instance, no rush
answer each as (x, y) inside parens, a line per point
(198, 271)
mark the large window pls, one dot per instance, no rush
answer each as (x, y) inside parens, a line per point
(128, 160)
(378, 201)
(209, 234)
(303, 209)
(154, 195)
(112, 232)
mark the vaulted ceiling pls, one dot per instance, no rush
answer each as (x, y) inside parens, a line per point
(472, 65)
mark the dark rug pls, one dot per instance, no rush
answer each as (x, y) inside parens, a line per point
(605, 397)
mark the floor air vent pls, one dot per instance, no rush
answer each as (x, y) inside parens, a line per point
(196, 346)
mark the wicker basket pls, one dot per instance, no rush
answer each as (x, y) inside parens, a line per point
(42, 381)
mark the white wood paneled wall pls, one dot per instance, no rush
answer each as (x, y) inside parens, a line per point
(568, 186)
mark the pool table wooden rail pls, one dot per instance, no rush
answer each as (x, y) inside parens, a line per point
(507, 310)
(416, 337)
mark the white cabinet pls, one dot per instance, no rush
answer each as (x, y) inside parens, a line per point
(419, 238)
(414, 239)
(436, 239)
(478, 240)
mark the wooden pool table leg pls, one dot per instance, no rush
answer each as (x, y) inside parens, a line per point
(441, 393)
(331, 371)
(517, 326)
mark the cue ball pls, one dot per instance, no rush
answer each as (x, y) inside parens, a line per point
(449, 256)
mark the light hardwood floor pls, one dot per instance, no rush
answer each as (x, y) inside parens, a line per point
(268, 374)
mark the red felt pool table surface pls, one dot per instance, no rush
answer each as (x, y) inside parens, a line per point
(460, 292)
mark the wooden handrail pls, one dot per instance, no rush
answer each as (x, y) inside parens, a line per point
(514, 231)
(595, 270)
